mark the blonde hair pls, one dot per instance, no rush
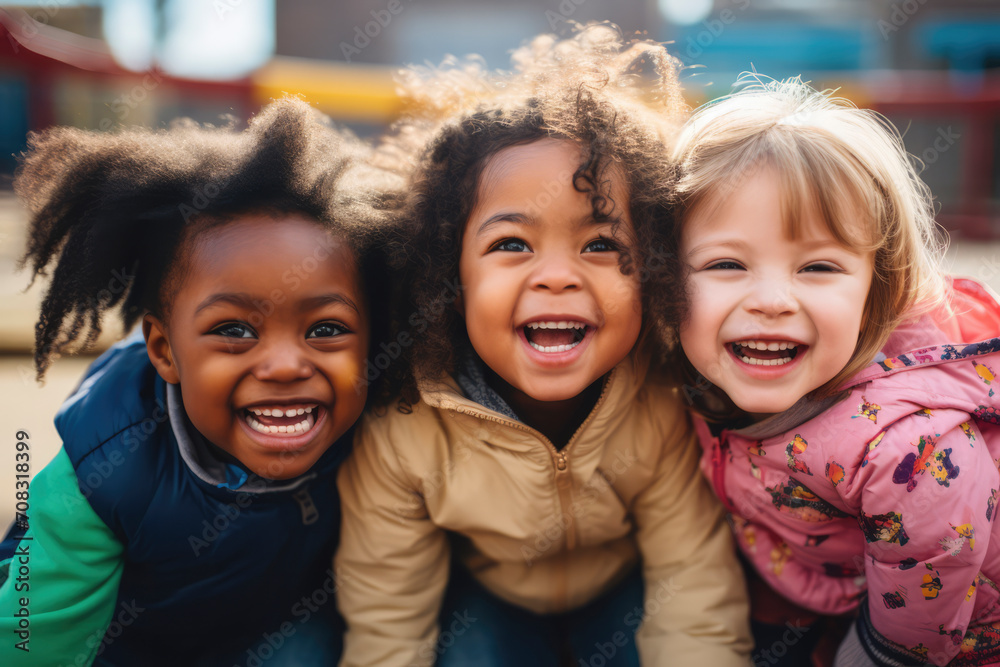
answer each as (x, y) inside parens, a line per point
(850, 164)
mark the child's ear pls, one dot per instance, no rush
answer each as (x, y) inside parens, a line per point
(158, 348)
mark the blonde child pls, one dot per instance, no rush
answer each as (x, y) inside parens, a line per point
(543, 452)
(848, 385)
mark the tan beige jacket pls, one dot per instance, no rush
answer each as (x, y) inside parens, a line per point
(545, 529)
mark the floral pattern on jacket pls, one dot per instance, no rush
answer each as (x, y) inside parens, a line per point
(892, 492)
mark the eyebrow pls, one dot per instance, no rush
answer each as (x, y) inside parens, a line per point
(522, 219)
(740, 245)
(504, 216)
(245, 300)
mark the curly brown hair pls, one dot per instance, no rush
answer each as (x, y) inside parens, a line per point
(130, 203)
(619, 101)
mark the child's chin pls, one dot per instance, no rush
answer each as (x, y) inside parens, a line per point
(281, 470)
(552, 393)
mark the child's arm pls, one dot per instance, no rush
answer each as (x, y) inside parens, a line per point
(696, 610)
(392, 562)
(926, 495)
(62, 582)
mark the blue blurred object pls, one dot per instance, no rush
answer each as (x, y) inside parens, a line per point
(13, 119)
(968, 44)
(776, 48)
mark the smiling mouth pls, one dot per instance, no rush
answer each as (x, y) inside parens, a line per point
(274, 420)
(764, 352)
(555, 336)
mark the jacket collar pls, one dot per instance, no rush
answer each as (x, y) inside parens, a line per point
(967, 326)
(621, 385)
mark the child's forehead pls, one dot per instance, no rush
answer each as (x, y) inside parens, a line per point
(501, 164)
(807, 205)
(238, 229)
(550, 165)
(259, 238)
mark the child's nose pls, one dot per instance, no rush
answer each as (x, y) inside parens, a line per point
(556, 273)
(771, 298)
(284, 363)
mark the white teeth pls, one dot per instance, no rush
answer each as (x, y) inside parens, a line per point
(556, 325)
(277, 412)
(300, 427)
(766, 362)
(767, 345)
(553, 348)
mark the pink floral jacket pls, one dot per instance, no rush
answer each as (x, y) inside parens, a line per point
(891, 491)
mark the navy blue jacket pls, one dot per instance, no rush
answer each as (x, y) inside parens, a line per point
(212, 569)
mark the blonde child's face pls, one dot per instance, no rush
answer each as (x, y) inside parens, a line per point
(545, 304)
(267, 337)
(771, 318)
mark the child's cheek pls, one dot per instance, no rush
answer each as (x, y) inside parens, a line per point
(625, 294)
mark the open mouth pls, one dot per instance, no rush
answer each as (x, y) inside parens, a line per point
(553, 337)
(290, 419)
(765, 352)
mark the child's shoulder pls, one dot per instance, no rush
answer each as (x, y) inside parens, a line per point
(117, 434)
(119, 399)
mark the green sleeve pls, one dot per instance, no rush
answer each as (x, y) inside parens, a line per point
(67, 581)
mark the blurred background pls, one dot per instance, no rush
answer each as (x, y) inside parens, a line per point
(931, 66)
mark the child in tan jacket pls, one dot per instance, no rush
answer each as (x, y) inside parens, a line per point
(543, 450)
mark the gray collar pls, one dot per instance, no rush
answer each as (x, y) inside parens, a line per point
(472, 380)
(206, 466)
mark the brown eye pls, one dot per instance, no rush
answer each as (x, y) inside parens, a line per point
(234, 330)
(601, 244)
(511, 245)
(326, 330)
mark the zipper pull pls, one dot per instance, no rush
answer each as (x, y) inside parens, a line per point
(561, 464)
(310, 514)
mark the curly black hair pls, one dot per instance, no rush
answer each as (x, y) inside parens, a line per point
(619, 101)
(114, 212)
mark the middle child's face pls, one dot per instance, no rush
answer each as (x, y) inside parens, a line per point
(545, 304)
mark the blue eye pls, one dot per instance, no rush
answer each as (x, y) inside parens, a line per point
(726, 265)
(326, 330)
(234, 330)
(601, 244)
(825, 268)
(511, 245)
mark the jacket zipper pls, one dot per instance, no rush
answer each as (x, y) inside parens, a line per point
(560, 460)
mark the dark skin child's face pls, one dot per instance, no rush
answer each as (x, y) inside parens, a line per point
(267, 336)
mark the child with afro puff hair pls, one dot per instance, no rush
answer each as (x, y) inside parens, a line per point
(543, 445)
(190, 517)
